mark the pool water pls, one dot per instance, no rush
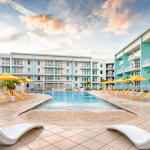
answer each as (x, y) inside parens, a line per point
(74, 101)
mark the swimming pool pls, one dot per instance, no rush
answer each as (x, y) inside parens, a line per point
(74, 101)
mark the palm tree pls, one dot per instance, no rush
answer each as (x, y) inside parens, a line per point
(87, 83)
(127, 77)
(11, 84)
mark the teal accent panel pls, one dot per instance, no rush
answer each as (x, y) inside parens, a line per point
(54, 68)
(10, 63)
(117, 67)
(126, 63)
(145, 54)
(73, 70)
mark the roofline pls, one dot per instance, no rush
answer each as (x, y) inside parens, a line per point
(50, 55)
(147, 30)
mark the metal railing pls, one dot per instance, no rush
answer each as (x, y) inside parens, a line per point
(132, 68)
(134, 56)
(121, 62)
(146, 62)
(119, 71)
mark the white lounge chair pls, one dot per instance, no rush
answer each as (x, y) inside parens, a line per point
(13, 133)
(138, 136)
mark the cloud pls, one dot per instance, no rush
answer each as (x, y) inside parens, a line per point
(118, 17)
(43, 22)
(18, 7)
(36, 36)
(48, 24)
(3, 1)
(11, 39)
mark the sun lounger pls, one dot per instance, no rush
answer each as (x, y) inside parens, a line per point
(138, 95)
(13, 133)
(138, 136)
(112, 91)
(120, 92)
(130, 93)
(17, 96)
(146, 97)
(124, 93)
(27, 94)
(6, 99)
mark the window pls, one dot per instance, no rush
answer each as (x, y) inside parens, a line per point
(101, 78)
(76, 85)
(38, 70)
(101, 72)
(67, 70)
(28, 69)
(38, 62)
(67, 63)
(67, 78)
(28, 77)
(76, 64)
(28, 62)
(76, 78)
(76, 71)
(38, 77)
(101, 65)
(38, 85)
(48, 78)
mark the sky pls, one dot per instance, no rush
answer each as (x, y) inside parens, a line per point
(97, 28)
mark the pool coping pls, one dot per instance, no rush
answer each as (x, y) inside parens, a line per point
(16, 115)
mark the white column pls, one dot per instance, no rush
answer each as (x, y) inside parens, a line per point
(72, 85)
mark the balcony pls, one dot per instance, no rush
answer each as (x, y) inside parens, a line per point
(146, 63)
(18, 64)
(58, 66)
(94, 81)
(120, 71)
(49, 72)
(4, 71)
(85, 67)
(109, 68)
(109, 74)
(94, 67)
(132, 68)
(121, 62)
(5, 64)
(48, 66)
(134, 57)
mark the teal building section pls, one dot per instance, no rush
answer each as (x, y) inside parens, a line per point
(73, 71)
(117, 67)
(145, 55)
(126, 63)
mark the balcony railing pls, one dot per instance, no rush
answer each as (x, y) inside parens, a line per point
(17, 71)
(49, 72)
(94, 80)
(17, 64)
(132, 68)
(134, 57)
(48, 65)
(146, 63)
(94, 67)
(88, 66)
(121, 62)
(109, 67)
(7, 64)
(109, 74)
(120, 71)
(5, 71)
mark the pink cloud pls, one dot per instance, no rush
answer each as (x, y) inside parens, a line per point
(117, 22)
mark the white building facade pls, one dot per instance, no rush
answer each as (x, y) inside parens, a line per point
(51, 71)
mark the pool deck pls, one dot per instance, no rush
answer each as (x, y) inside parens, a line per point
(54, 137)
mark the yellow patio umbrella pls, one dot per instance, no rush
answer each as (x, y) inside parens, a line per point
(121, 81)
(7, 76)
(136, 79)
(25, 80)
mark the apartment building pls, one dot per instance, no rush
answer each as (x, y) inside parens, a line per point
(57, 70)
(134, 58)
